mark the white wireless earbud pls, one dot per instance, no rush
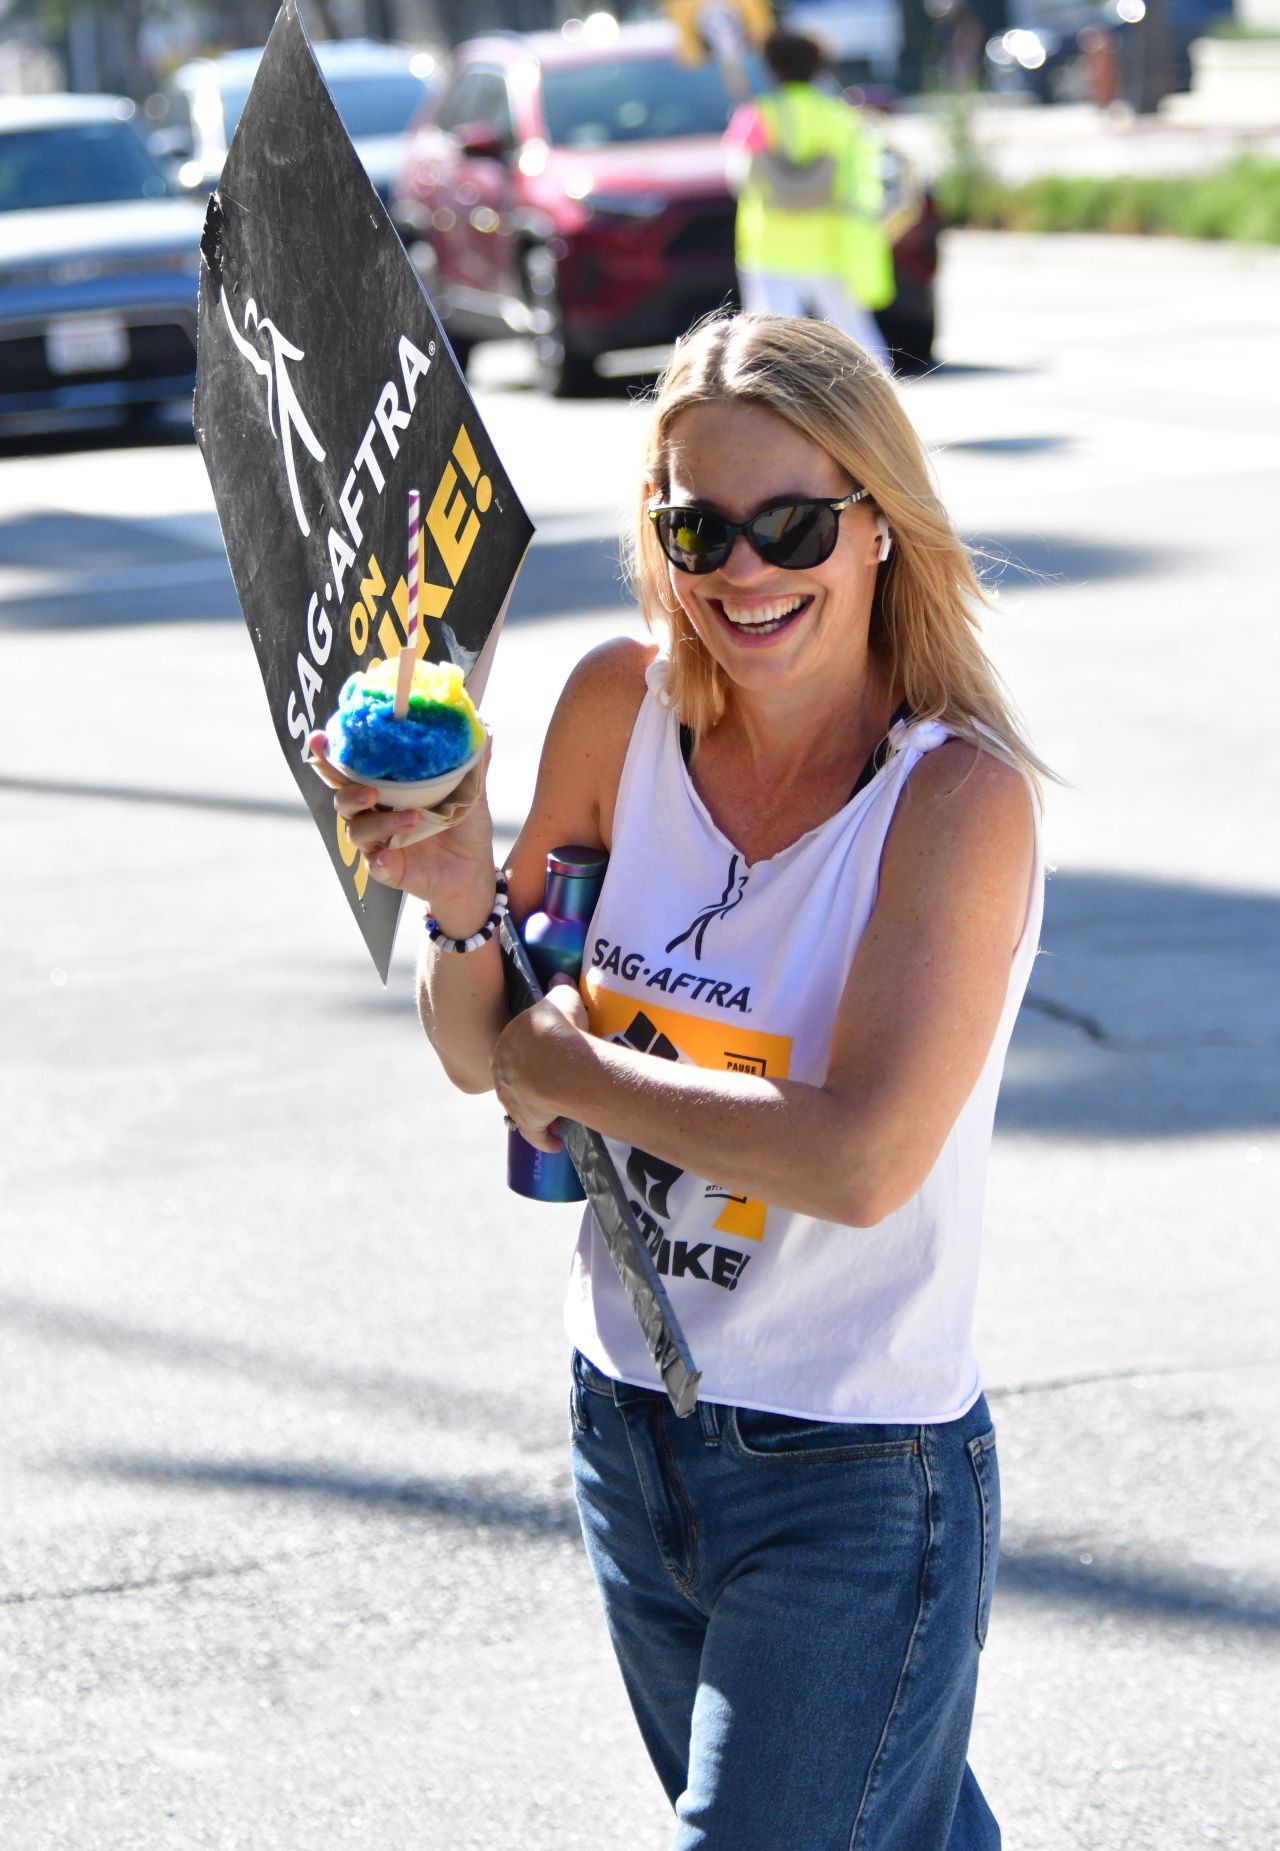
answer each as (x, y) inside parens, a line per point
(886, 538)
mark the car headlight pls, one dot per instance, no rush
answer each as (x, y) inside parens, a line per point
(1026, 47)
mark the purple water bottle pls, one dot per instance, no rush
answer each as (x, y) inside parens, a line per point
(555, 939)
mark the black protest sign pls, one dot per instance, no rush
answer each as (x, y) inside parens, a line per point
(325, 391)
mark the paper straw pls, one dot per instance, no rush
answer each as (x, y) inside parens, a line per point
(409, 654)
(414, 506)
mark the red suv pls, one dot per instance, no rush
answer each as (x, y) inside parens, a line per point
(571, 189)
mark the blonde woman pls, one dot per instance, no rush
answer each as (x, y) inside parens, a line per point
(821, 907)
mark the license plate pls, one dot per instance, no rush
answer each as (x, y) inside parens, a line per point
(98, 345)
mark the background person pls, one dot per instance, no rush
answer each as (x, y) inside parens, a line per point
(832, 259)
(821, 907)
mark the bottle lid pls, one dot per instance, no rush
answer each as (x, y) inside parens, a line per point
(577, 861)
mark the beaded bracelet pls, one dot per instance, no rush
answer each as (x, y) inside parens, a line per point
(443, 942)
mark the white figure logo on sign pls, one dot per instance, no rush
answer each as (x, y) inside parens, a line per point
(280, 391)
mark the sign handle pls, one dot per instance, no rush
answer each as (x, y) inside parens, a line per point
(632, 1260)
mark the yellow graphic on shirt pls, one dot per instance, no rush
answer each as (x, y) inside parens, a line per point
(718, 1046)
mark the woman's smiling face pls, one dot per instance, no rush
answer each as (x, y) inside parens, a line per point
(770, 625)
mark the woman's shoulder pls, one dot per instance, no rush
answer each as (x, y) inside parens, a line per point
(582, 760)
(965, 819)
(608, 685)
(586, 744)
(960, 777)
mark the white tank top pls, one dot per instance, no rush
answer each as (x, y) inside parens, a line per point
(695, 955)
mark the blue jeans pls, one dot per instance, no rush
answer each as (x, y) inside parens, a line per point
(798, 1610)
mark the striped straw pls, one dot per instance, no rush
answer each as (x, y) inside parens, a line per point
(414, 517)
(409, 654)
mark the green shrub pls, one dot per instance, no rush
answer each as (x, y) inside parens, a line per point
(1237, 29)
(964, 190)
(1240, 202)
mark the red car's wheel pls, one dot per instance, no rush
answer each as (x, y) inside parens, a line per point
(562, 371)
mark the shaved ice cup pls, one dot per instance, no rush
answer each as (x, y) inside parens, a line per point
(441, 801)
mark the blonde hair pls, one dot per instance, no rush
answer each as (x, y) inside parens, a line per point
(924, 622)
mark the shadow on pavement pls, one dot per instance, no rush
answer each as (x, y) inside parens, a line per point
(108, 571)
(1027, 1573)
(94, 543)
(274, 1370)
(100, 571)
(565, 578)
(1009, 446)
(1148, 1014)
(977, 369)
(1041, 562)
(1041, 1574)
(137, 793)
(415, 1497)
(132, 572)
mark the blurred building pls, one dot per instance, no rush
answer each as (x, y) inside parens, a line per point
(27, 66)
(465, 19)
(129, 45)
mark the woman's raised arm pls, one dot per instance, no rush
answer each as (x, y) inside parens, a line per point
(460, 995)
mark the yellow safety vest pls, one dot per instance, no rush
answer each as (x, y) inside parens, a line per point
(845, 239)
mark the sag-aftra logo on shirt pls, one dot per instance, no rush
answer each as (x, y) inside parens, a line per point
(639, 968)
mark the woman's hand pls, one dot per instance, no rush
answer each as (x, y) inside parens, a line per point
(452, 870)
(529, 1056)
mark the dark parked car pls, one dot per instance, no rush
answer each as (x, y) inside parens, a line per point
(377, 90)
(1045, 58)
(570, 188)
(98, 267)
(1069, 51)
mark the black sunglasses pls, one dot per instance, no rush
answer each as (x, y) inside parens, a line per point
(787, 533)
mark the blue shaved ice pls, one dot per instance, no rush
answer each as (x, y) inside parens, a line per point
(439, 732)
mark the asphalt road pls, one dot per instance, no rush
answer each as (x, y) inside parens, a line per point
(287, 1556)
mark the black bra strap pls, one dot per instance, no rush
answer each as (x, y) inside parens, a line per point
(901, 712)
